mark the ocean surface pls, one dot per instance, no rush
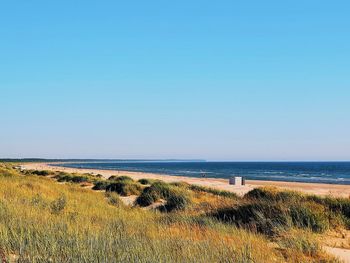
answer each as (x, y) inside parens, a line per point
(315, 172)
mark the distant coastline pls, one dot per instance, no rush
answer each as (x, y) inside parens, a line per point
(336, 190)
(304, 172)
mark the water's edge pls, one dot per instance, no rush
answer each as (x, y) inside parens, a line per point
(309, 172)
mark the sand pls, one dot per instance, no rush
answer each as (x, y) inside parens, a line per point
(221, 184)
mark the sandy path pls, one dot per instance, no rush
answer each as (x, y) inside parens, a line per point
(340, 253)
(222, 184)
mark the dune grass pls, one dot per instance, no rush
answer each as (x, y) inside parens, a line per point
(43, 221)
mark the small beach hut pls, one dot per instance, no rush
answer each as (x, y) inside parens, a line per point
(237, 180)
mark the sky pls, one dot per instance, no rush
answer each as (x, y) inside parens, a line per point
(216, 80)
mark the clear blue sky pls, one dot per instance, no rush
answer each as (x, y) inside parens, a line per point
(223, 80)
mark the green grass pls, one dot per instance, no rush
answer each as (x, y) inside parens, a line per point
(43, 221)
(213, 191)
(176, 197)
(125, 188)
(147, 181)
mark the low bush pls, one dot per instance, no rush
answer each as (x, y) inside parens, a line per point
(331, 206)
(72, 178)
(271, 217)
(306, 217)
(337, 205)
(147, 181)
(42, 172)
(176, 198)
(100, 185)
(263, 217)
(122, 178)
(147, 197)
(125, 188)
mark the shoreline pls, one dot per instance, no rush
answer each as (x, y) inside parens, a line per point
(335, 190)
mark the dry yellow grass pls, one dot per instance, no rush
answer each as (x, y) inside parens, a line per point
(41, 221)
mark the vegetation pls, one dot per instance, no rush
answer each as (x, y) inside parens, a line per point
(101, 185)
(43, 221)
(147, 181)
(176, 197)
(122, 178)
(125, 188)
(213, 191)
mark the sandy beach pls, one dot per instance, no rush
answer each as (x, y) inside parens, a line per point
(222, 184)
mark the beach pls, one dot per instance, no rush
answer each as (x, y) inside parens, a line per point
(334, 190)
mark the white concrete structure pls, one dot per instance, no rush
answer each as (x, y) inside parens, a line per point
(237, 180)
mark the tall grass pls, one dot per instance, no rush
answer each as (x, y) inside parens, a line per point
(42, 221)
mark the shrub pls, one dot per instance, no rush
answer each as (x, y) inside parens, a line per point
(58, 205)
(338, 205)
(125, 188)
(42, 172)
(146, 181)
(64, 177)
(122, 178)
(148, 197)
(177, 200)
(305, 217)
(79, 179)
(100, 185)
(265, 218)
(112, 177)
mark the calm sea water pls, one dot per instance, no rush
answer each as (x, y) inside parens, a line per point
(321, 172)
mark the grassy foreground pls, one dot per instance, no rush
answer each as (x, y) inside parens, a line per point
(57, 217)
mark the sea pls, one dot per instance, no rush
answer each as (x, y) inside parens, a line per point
(311, 172)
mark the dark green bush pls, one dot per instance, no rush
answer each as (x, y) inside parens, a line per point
(122, 178)
(263, 217)
(125, 188)
(158, 190)
(100, 185)
(42, 173)
(146, 181)
(175, 197)
(72, 178)
(335, 205)
(177, 200)
(148, 197)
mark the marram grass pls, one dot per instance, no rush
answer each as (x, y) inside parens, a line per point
(42, 220)
(36, 225)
